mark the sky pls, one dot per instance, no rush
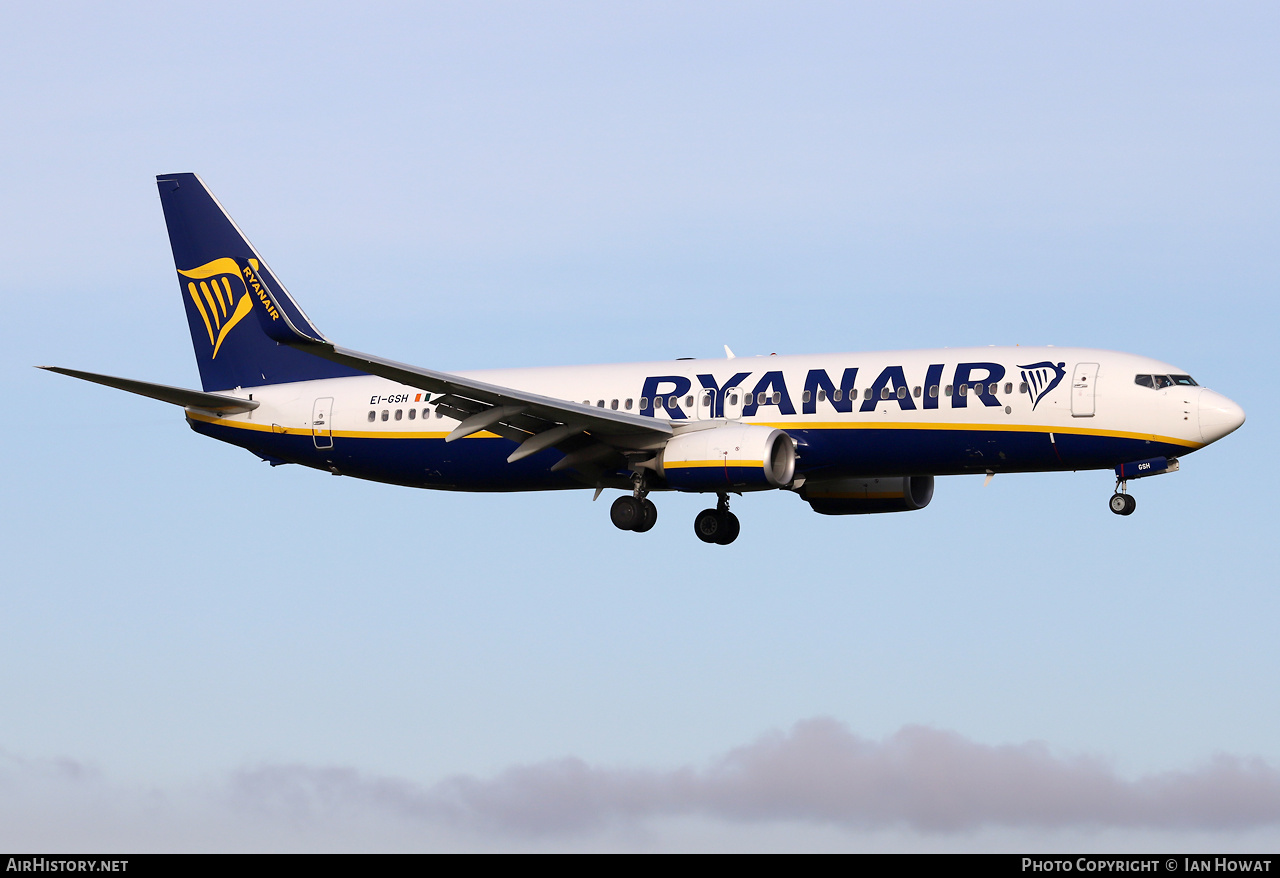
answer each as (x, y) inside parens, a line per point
(200, 652)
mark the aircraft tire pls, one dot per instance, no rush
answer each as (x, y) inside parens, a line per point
(626, 513)
(731, 529)
(708, 525)
(648, 516)
(1123, 504)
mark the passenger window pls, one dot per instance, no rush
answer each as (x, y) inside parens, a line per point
(399, 414)
(839, 395)
(933, 391)
(657, 403)
(439, 414)
(599, 403)
(426, 413)
(1023, 388)
(386, 415)
(1163, 381)
(777, 398)
(822, 395)
(760, 398)
(672, 402)
(413, 413)
(1144, 381)
(867, 394)
(884, 392)
(733, 399)
(916, 391)
(1008, 387)
(644, 403)
(614, 405)
(950, 390)
(628, 405)
(902, 392)
(688, 402)
(373, 416)
(977, 388)
(805, 397)
(964, 389)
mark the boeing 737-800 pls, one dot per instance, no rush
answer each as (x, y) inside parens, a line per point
(848, 433)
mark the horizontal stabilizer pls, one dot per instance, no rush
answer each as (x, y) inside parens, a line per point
(210, 402)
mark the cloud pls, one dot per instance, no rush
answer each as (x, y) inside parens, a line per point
(817, 781)
(920, 778)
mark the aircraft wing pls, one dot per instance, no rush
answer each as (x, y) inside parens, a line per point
(507, 405)
(535, 421)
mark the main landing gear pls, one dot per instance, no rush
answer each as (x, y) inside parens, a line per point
(633, 513)
(717, 525)
(1122, 502)
(636, 512)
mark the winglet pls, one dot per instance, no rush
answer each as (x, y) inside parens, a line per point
(728, 353)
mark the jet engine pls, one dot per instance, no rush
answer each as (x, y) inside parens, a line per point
(733, 457)
(863, 496)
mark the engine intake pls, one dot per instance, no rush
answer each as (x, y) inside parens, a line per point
(866, 496)
(735, 456)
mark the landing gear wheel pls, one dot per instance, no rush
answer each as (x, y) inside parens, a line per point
(731, 529)
(626, 513)
(1123, 504)
(709, 525)
(648, 516)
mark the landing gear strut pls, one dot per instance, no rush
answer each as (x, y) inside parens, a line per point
(1122, 502)
(717, 525)
(637, 512)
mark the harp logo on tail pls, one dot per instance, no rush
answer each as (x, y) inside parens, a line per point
(1041, 378)
(220, 295)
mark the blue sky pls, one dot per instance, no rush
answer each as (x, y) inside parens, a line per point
(200, 651)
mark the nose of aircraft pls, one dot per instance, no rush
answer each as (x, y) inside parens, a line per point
(1218, 416)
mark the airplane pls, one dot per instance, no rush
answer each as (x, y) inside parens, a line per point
(849, 433)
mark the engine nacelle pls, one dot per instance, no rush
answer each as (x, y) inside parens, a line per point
(732, 457)
(864, 496)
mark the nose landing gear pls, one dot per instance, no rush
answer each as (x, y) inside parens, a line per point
(717, 525)
(1122, 502)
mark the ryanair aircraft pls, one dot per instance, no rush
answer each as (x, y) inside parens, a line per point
(848, 433)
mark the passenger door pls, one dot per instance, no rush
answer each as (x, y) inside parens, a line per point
(322, 422)
(705, 406)
(1083, 383)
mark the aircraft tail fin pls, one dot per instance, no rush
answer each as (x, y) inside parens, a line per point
(214, 261)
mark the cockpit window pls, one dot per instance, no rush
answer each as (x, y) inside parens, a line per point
(1143, 381)
(1163, 381)
(1184, 380)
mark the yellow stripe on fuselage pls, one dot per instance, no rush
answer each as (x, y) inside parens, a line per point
(781, 425)
(990, 428)
(344, 434)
